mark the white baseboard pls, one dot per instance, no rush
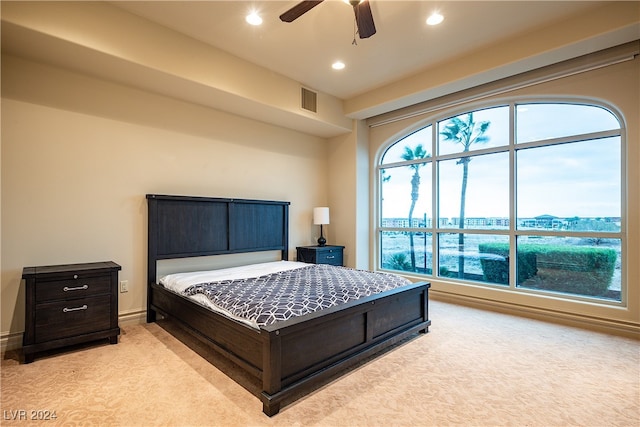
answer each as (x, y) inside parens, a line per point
(10, 341)
(13, 340)
(132, 318)
(568, 319)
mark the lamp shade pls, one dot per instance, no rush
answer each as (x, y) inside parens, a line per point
(321, 216)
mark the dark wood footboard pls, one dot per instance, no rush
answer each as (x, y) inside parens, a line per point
(302, 354)
(297, 356)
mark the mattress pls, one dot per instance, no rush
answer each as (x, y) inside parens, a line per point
(263, 294)
(178, 282)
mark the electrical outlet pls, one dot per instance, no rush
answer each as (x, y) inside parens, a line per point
(124, 286)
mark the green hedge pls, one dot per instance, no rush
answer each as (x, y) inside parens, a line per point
(558, 262)
(497, 270)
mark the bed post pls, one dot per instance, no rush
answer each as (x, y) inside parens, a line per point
(425, 308)
(285, 232)
(152, 252)
(271, 371)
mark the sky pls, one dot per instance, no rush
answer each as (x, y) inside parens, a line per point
(577, 179)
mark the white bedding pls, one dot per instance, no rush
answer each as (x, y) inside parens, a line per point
(178, 282)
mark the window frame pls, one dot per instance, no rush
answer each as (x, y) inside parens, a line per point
(512, 231)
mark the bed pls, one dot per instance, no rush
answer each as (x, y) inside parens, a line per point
(290, 357)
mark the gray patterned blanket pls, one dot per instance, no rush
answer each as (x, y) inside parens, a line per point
(280, 296)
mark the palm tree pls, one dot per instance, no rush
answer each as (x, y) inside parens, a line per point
(385, 177)
(465, 131)
(413, 154)
(399, 262)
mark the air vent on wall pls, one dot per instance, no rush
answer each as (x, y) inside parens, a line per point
(309, 100)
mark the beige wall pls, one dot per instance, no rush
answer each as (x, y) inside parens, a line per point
(100, 39)
(348, 181)
(79, 154)
(618, 86)
(610, 24)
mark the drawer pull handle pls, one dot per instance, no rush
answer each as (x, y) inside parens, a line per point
(331, 257)
(66, 310)
(77, 288)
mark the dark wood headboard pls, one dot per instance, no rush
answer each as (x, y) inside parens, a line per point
(186, 226)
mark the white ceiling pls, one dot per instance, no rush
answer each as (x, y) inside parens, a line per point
(403, 45)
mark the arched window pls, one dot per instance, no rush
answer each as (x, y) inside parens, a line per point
(525, 196)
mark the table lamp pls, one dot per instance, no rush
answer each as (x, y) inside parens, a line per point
(321, 217)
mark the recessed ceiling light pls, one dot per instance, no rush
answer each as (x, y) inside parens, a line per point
(253, 18)
(338, 65)
(435, 19)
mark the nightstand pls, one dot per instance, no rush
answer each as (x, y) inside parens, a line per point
(69, 304)
(321, 254)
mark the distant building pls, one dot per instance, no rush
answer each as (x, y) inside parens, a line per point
(545, 221)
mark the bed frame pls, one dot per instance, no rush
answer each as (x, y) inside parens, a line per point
(292, 357)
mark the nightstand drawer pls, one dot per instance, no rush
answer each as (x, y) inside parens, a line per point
(72, 288)
(333, 257)
(62, 319)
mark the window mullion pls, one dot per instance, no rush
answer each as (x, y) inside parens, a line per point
(435, 216)
(512, 198)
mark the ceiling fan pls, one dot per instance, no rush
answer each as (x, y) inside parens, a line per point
(361, 8)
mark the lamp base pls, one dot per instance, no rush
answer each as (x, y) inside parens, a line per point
(322, 241)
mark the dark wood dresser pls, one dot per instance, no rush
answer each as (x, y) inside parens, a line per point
(70, 304)
(321, 254)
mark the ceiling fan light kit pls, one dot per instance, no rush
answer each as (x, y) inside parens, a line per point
(361, 9)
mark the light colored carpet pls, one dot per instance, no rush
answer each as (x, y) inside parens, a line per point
(475, 368)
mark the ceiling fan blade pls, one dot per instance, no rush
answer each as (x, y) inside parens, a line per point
(298, 10)
(364, 19)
